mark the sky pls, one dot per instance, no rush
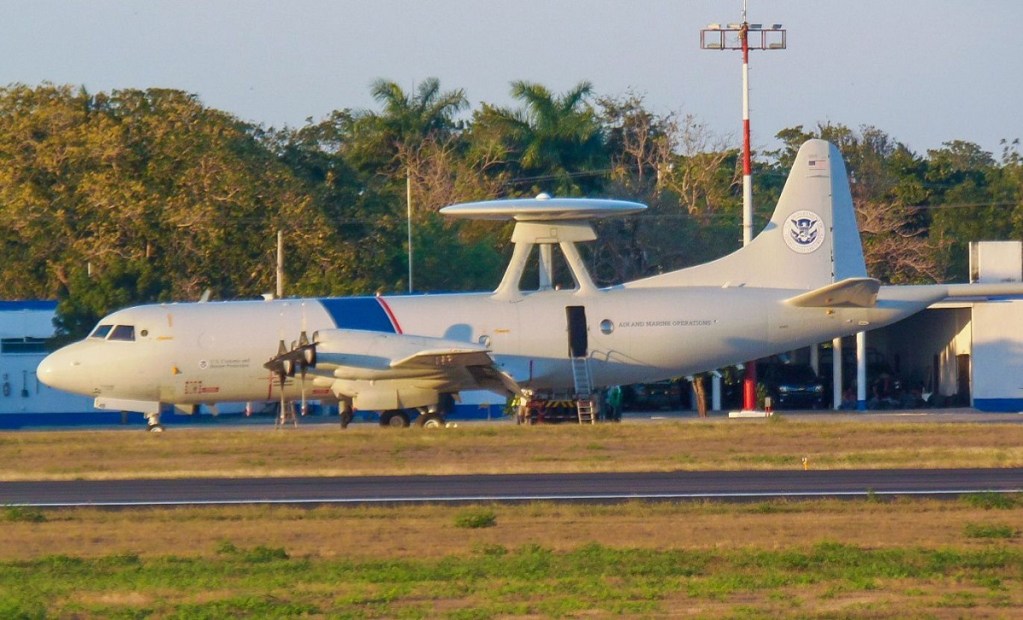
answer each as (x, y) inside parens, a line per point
(924, 71)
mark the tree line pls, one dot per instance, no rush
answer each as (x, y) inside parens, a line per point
(132, 196)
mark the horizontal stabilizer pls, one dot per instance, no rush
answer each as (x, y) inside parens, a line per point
(851, 292)
(984, 289)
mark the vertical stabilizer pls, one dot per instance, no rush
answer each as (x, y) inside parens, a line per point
(811, 241)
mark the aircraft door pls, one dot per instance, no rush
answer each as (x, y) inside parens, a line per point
(578, 340)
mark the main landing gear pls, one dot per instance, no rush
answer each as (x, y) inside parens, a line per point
(153, 423)
(429, 417)
(430, 420)
(394, 418)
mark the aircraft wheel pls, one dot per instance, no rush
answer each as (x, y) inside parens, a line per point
(394, 418)
(430, 420)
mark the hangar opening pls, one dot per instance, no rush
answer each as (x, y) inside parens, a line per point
(966, 353)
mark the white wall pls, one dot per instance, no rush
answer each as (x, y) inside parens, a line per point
(998, 355)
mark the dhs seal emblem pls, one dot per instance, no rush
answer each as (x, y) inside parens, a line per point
(804, 232)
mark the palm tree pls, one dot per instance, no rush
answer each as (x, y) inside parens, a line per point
(409, 119)
(555, 137)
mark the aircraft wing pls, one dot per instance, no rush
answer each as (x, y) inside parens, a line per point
(450, 356)
(372, 365)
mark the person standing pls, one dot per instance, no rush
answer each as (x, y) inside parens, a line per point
(614, 401)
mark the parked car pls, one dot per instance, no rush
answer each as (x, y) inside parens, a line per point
(791, 386)
(651, 396)
(877, 366)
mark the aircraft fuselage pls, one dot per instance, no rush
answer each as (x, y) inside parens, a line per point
(196, 353)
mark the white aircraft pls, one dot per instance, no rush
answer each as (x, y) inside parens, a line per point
(800, 282)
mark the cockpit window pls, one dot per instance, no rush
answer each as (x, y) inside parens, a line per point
(101, 331)
(123, 332)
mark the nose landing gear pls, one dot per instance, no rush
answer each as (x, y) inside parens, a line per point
(153, 423)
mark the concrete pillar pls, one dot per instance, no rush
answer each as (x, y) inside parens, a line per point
(715, 391)
(836, 372)
(861, 371)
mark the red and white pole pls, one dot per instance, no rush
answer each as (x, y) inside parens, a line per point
(716, 37)
(747, 164)
(749, 384)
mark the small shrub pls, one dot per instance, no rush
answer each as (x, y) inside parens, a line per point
(989, 500)
(262, 554)
(226, 547)
(476, 519)
(12, 607)
(764, 508)
(62, 562)
(990, 530)
(23, 514)
(490, 550)
(120, 560)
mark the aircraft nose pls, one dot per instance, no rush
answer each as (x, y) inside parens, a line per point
(60, 368)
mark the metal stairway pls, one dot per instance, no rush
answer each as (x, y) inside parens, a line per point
(583, 390)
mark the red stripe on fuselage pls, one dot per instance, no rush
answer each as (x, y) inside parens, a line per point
(390, 315)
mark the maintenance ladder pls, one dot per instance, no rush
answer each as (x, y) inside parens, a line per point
(583, 390)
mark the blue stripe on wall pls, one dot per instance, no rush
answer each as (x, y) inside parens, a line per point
(999, 405)
(358, 313)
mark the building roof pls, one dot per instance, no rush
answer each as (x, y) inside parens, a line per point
(27, 319)
(41, 305)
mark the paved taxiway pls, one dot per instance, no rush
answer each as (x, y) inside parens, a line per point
(732, 485)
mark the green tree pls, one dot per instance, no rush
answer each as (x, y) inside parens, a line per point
(972, 199)
(886, 183)
(552, 143)
(379, 139)
(685, 175)
(151, 196)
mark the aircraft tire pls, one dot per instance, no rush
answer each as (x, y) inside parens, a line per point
(394, 418)
(430, 420)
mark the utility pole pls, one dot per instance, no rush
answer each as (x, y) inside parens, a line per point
(280, 264)
(745, 36)
(408, 204)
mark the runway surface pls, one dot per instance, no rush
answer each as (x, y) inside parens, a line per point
(729, 485)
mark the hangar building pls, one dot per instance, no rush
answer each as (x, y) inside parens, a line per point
(968, 352)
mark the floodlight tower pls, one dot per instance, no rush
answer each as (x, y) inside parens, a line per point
(745, 36)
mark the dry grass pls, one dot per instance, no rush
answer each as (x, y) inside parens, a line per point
(430, 531)
(747, 556)
(325, 450)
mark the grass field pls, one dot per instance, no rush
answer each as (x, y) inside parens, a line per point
(780, 443)
(905, 558)
(823, 558)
